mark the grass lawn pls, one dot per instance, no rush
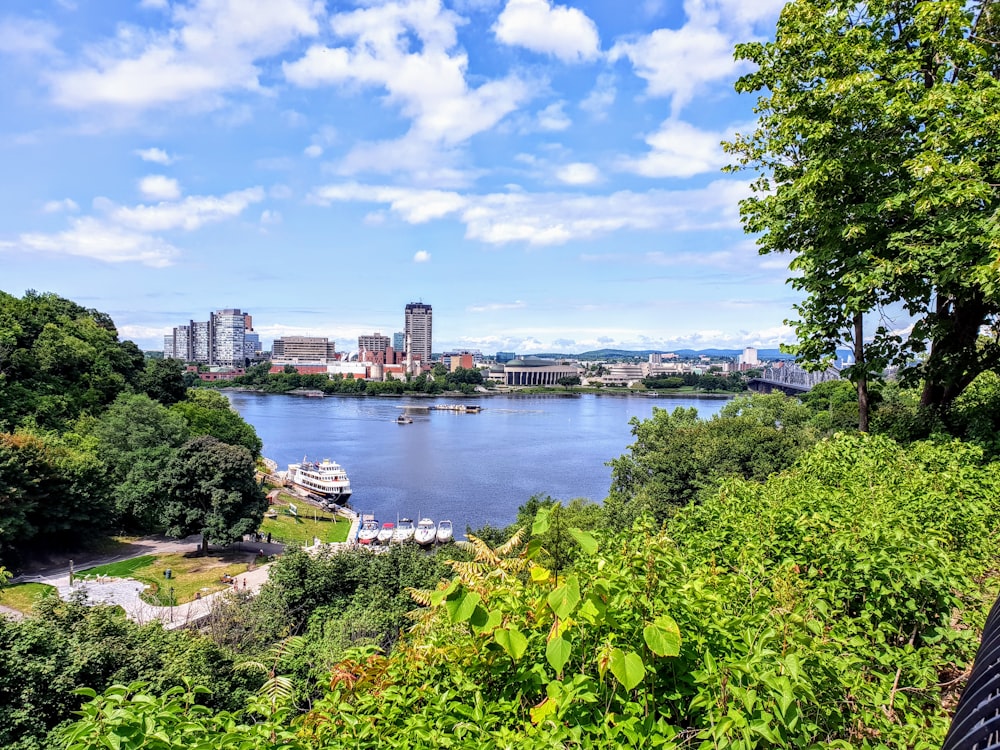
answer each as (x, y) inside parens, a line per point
(310, 522)
(22, 596)
(189, 573)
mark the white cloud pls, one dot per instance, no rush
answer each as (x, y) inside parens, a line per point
(601, 97)
(421, 256)
(497, 306)
(555, 218)
(415, 206)
(211, 49)
(159, 187)
(54, 207)
(267, 216)
(679, 149)
(126, 234)
(578, 173)
(313, 151)
(155, 155)
(553, 117)
(428, 85)
(560, 31)
(91, 238)
(24, 37)
(188, 214)
(680, 63)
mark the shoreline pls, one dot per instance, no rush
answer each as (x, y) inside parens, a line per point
(313, 393)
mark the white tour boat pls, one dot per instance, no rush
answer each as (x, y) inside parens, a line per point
(326, 478)
(444, 532)
(426, 532)
(404, 531)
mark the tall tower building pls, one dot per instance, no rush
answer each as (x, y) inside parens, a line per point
(418, 331)
(228, 328)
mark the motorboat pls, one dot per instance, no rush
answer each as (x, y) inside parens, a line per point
(385, 534)
(403, 419)
(445, 533)
(368, 531)
(425, 533)
(325, 478)
(404, 531)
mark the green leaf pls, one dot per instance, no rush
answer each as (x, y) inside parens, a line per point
(585, 540)
(541, 522)
(663, 636)
(461, 605)
(512, 641)
(627, 668)
(558, 652)
(563, 600)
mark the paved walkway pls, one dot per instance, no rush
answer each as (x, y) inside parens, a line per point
(125, 592)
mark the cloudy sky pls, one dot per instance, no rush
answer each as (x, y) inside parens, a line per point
(546, 175)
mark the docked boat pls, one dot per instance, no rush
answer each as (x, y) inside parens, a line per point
(325, 478)
(445, 533)
(385, 534)
(403, 419)
(368, 531)
(404, 531)
(425, 533)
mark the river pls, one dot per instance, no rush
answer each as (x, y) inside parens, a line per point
(473, 469)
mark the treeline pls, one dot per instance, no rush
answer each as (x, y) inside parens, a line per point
(95, 439)
(732, 383)
(259, 378)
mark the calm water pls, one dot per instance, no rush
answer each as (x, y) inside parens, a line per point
(472, 468)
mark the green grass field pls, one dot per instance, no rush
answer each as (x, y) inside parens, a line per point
(308, 524)
(22, 596)
(189, 574)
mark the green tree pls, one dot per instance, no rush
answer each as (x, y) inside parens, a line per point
(163, 380)
(59, 360)
(137, 438)
(676, 456)
(210, 488)
(209, 413)
(878, 154)
(569, 380)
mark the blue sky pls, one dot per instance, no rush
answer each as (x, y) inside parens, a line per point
(546, 175)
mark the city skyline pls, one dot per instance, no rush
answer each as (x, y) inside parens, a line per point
(546, 174)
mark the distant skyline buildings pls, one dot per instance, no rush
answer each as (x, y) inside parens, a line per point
(418, 329)
(226, 339)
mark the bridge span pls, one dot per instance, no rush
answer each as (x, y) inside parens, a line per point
(790, 379)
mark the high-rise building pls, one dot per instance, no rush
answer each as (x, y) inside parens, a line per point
(227, 328)
(374, 342)
(418, 331)
(221, 340)
(399, 341)
(293, 349)
(200, 348)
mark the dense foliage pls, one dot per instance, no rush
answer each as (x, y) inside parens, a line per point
(90, 430)
(676, 455)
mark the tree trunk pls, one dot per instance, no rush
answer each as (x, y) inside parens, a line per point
(859, 361)
(204, 543)
(954, 359)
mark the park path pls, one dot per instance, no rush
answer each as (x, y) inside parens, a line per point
(125, 592)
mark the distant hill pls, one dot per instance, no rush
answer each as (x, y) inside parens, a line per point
(764, 354)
